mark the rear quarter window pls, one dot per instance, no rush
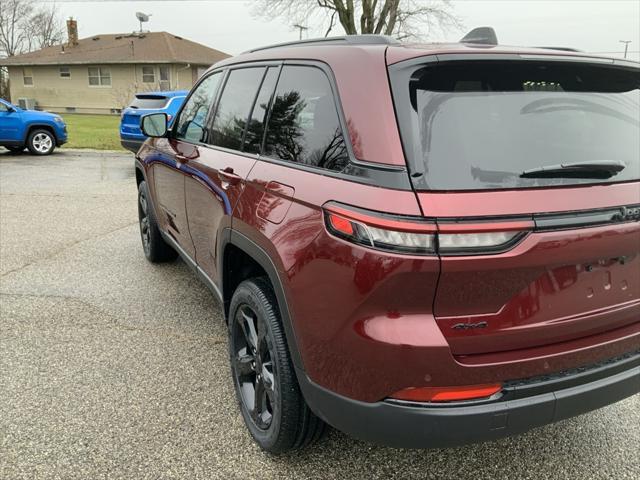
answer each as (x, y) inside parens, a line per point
(303, 125)
(470, 125)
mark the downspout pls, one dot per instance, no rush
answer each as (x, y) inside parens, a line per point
(178, 75)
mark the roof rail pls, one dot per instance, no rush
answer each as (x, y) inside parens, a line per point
(562, 49)
(367, 39)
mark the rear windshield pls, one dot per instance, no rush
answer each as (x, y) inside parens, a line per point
(149, 101)
(480, 125)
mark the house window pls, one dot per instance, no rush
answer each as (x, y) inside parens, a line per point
(148, 75)
(27, 77)
(165, 78)
(65, 72)
(99, 76)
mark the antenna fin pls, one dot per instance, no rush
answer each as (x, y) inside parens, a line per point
(481, 35)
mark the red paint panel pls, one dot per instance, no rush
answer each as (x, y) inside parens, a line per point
(527, 202)
(275, 202)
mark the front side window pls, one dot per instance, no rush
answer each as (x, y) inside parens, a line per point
(234, 107)
(192, 120)
(27, 77)
(303, 125)
(65, 72)
(148, 75)
(518, 124)
(99, 76)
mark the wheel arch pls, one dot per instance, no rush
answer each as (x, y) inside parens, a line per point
(235, 243)
(40, 126)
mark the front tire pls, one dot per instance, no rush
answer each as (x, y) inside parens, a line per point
(267, 390)
(41, 142)
(156, 250)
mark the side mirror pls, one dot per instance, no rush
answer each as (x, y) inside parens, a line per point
(155, 125)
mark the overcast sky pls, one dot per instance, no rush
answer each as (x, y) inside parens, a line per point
(228, 25)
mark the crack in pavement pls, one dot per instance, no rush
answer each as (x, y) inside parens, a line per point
(66, 247)
(114, 324)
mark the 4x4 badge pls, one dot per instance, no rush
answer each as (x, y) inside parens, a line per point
(469, 326)
(629, 213)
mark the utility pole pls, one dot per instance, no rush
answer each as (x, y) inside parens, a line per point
(301, 28)
(626, 46)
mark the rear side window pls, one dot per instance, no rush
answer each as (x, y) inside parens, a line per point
(149, 101)
(303, 125)
(481, 125)
(192, 121)
(255, 129)
(234, 107)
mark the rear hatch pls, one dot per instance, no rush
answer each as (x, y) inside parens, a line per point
(531, 168)
(142, 104)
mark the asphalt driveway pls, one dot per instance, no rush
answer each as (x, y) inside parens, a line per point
(111, 367)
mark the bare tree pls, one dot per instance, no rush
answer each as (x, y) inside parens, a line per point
(46, 28)
(13, 34)
(402, 19)
(25, 26)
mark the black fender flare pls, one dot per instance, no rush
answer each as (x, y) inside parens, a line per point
(261, 257)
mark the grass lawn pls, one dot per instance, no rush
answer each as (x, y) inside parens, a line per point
(100, 132)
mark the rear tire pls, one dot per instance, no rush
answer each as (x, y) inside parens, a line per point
(267, 390)
(156, 250)
(41, 142)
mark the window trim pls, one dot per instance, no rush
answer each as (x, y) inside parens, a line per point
(168, 80)
(377, 174)
(24, 76)
(99, 77)
(153, 73)
(68, 76)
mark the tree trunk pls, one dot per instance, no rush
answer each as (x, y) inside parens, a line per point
(393, 17)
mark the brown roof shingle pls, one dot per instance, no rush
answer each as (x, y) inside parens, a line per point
(149, 47)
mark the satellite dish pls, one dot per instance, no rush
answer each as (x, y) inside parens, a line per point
(142, 17)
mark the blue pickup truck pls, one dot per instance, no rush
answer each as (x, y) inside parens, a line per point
(131, 137)
(40, 132)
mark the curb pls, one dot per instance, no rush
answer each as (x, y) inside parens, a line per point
(78, 152)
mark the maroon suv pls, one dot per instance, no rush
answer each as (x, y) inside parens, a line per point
(421, 245)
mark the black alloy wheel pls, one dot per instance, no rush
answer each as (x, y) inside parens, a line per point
(267, 389)
(253, 367)
(143, 215)
(154, 246)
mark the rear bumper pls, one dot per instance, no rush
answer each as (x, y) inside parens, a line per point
(131, 144)
(522, 406)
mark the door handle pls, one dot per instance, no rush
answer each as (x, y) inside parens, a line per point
(227, 176)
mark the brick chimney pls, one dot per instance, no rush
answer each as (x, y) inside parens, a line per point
(72, 32)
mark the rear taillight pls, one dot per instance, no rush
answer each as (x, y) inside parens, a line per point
(411, 235)
(381, 231)
(447, 394)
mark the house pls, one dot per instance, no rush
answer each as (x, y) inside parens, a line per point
(100, 74)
